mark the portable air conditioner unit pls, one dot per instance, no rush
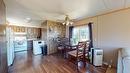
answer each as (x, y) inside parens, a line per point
(96, 56)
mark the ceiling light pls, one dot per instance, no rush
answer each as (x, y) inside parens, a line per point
(67, 21)
(28, 20)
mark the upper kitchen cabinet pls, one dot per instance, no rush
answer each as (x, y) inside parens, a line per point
(19, 29)
(33, 33)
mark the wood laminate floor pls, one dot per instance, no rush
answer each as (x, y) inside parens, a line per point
(26, 62)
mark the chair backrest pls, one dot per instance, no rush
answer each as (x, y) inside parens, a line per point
(87, 45)
(83, 48)
(80, 48)
(62, 41)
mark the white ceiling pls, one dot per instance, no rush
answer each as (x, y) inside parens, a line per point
(40, 10)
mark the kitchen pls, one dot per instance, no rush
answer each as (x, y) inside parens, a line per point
(39, 39)
(21, 38)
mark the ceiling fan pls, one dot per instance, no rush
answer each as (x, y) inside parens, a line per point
(67, 21)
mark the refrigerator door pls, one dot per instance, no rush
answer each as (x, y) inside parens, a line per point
(10, 46)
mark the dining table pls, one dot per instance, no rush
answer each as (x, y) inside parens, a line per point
(68, 47)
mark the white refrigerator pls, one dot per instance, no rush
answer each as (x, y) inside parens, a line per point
(10, 45)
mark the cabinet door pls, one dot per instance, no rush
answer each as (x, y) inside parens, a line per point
(10, 45)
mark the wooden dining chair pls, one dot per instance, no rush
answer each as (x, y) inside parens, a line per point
(61, 46)
(80, 54)
(87, 56)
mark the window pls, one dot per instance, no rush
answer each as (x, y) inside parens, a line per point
(80, 33)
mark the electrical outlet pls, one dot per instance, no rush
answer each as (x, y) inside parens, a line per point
(110, 63)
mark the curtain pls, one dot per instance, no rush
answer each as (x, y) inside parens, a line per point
(70, 32)
(90, 36)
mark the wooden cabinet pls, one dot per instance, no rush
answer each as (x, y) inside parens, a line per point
(19, 29)
(33, 33)
(30, 44)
